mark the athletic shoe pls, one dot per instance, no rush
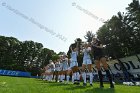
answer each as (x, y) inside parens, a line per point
(111, 86)
(91, 84)
(101, 86)
(74, 83)
(84, 84)
(78, 83)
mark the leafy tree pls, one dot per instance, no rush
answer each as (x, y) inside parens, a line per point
(89, 35)
(23, 56)
(121, 34)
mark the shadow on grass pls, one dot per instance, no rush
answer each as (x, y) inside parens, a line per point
(74, 87)
(71, 87)
(45, 81)
(100, 90)
(38, 79)
(59, 84)
(50, 83)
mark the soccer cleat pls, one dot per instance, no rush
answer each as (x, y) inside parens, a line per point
(77, 83)
(84, 84)
(74, 83)
(111, 86)
(91, 84)
(101, 86)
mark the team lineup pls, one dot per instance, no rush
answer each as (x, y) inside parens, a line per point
(65, 68)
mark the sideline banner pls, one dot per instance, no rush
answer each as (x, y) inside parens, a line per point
(132, 64)
(14, 73)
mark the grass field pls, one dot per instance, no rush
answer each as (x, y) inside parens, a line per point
(29, 85)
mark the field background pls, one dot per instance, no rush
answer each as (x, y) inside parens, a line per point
(30, 85)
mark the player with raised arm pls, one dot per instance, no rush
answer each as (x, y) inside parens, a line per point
(100, 58)
(74, 65)
(87, 63)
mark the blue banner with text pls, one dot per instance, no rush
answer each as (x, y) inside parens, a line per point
(14, 73)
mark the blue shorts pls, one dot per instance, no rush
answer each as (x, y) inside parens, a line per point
(73, 63)
(87, 62)
(65, 68)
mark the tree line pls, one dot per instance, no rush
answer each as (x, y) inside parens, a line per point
(23, 56)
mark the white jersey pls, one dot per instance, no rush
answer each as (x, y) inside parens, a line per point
(61, 65)
(86, 57)
(74, 55)
(51, 67)
(57, 66)
(65, 64)
(86, 53)
(73, 59)
(47, 69)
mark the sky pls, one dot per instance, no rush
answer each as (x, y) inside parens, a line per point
(55, 23)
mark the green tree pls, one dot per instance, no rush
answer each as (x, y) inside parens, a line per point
(89, 35)
(23, 56)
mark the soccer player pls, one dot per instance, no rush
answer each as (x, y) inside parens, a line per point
(51, 69)
(74, 65)
(99, 58)
(65, 67)
(61, 75)
(87, 63)
(42, 73)
(47, 73)
(56, 70)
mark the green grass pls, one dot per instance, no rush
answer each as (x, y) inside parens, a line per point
(29, 85)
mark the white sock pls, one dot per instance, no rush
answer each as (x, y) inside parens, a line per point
(72, 78)
(68, 77)
(58, 77)
(54, 77)
(77, 76)
(46, 77)
(91, 77)
(43, 77)
(51, 77)
(84, 77)
(63, 77)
